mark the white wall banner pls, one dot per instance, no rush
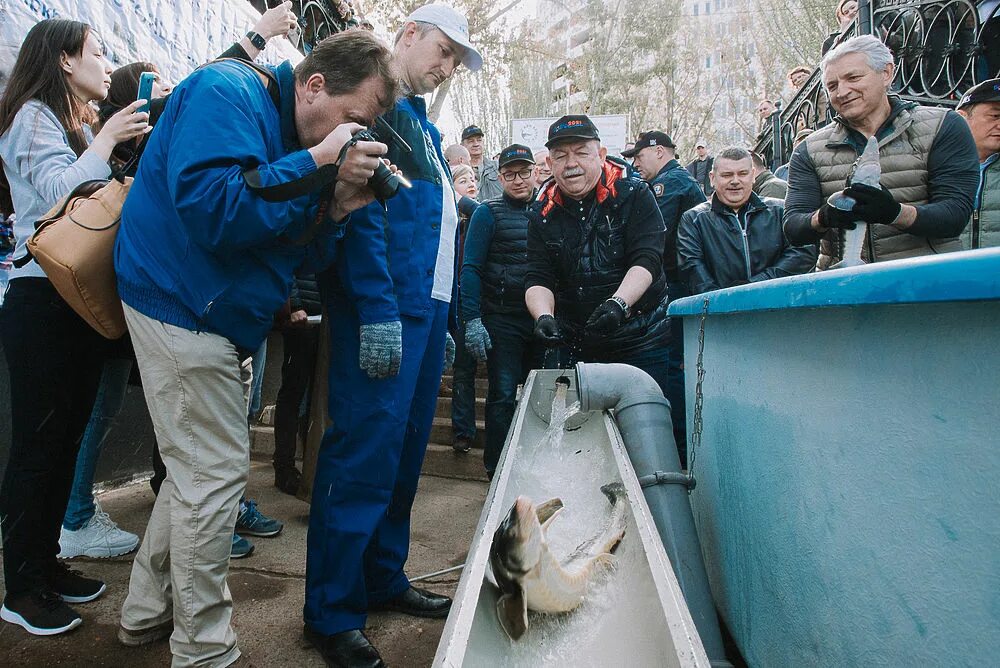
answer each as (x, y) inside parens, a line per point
(175, 35)
(533, 132)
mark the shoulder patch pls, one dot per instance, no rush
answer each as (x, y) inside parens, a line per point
(658, 189)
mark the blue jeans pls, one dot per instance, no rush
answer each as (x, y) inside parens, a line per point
(515, 352)
(257, 381)
(107, 405)
(463, 397)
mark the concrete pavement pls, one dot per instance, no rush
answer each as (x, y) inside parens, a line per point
(267, 587)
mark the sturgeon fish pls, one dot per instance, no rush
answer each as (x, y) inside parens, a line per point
(530, 576)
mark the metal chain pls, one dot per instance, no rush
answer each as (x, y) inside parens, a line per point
(695, 441)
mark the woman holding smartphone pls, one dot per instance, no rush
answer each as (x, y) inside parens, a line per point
(54, 357)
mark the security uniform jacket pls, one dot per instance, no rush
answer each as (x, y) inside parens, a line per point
(720, 248)
(581, 251)
(676, 191)
(496, 259)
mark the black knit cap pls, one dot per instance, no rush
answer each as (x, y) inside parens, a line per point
(573, 126)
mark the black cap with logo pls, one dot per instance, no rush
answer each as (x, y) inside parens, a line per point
(515, 153)
(986, 91)
(573, 126)
(471, 131)
(647, 139)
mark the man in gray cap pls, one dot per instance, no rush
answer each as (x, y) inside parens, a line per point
(487, 171)
(701, 167)
(391, 300)
(981, 109)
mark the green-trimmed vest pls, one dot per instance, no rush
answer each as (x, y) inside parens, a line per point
(903, 153)
(983, 230)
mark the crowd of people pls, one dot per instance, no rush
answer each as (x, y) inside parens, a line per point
(539, 258)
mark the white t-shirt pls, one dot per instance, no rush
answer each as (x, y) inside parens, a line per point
(444, 269)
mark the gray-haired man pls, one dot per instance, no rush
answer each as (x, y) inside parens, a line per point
(929, 165)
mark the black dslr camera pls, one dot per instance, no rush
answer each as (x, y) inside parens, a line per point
(384, 183)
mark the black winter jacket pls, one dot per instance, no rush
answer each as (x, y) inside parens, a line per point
(718, 248)
(581, 251)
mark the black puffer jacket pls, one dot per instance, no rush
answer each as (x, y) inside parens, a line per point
(718, 248)
(581, 251)
(506, 264)
(305, 295)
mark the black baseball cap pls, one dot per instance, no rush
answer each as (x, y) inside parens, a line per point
(647, 139)
(573, 126)
(986, 91)
(471, 131)
(515, 153)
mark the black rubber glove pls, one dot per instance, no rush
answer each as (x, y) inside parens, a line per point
(606, 318)
(547, 329)
(832, 217)
(874, 205)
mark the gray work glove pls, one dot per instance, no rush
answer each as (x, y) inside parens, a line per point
(381, 349)
(477, 339)
(449, 351)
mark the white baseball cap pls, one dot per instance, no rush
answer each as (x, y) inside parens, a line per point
(452, 24)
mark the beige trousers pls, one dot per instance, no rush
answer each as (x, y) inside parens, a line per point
(195, 393)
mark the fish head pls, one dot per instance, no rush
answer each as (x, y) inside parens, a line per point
(517, 542)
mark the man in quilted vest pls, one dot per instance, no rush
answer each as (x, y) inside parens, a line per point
(930, 168)
(980, 106)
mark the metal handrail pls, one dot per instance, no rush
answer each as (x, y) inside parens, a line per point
(942, 48)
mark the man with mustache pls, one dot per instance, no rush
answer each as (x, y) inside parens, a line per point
(391, 301)
(594, 283)
(735, 237)
(930, 166)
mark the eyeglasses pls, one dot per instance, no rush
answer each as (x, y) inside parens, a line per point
(509, 177)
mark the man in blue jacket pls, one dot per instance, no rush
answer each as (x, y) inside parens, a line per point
(234, 192)
(389, 299)
(654, 157)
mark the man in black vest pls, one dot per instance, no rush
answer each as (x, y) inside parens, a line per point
(498, 327)
(595, 280)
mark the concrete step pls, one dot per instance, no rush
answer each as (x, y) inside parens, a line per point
(261, 441)
(443, 461)
(444, 407)
(442, 432)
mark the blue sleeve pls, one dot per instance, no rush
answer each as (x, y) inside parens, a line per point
(364, 267)
(477, 246)
(322, 252)
(206, 182)
(953, 177)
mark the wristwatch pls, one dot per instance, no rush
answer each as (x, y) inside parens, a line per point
(621, 302)
(258, 42)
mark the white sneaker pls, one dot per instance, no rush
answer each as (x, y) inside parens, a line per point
(99, 538)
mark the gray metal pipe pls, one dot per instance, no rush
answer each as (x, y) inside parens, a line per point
(643, 417)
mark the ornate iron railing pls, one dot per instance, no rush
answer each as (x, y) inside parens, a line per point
(317, 18)
(941, 47)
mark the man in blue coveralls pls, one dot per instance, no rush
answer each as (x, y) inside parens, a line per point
(390, 300)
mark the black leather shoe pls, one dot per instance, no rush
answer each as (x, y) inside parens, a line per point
(417, 602)
(348, 649)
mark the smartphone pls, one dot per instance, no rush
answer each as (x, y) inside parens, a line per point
(146, 80)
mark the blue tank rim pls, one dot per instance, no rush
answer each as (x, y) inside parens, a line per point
(951, 277)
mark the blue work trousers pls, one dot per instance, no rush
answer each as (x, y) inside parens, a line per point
(515, 352)
(367, 471)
